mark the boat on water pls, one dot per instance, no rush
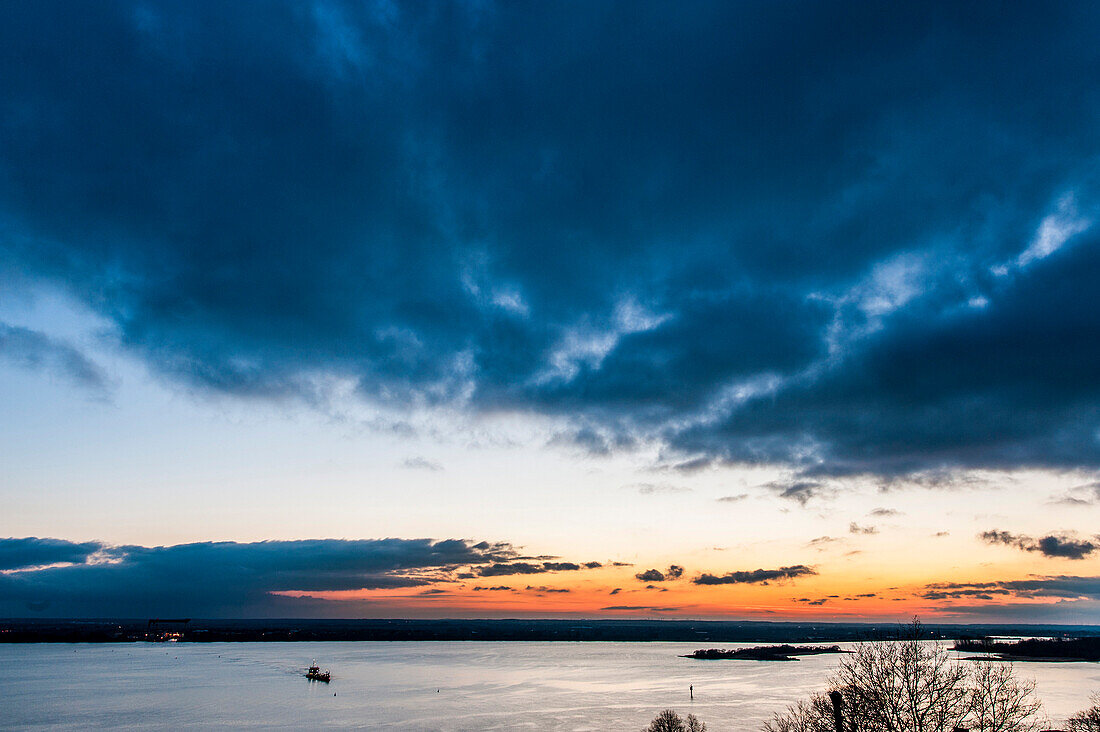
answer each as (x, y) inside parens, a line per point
(316, 674)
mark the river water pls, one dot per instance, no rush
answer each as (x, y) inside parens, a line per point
(421, 686)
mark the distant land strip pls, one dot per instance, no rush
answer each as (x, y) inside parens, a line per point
(1085, 648)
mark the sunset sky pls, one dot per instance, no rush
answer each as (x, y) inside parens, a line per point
(733, 310)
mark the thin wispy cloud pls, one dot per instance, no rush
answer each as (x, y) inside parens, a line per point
(1081, 495)
(854, 528)
(421, 463)
(650, 608)
(34, 350)
(650, 489)
(800, 491)
(733, 499)
(823, 542)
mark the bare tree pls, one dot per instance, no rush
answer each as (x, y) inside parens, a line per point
(915, 686)
(999, 702)
(814, 715)
(907, 685)
(666, 721)
(692, 724)
(670, 721)
(1087, 720)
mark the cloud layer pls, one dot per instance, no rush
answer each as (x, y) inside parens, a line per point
(232, 579)
(34, 552)
(848, 238)
(1064, 587)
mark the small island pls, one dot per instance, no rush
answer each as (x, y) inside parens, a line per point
(762, 653)
(1032, 649)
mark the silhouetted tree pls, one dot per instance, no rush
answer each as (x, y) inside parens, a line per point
(670, 721)
(814, 714)
(667, 721)
(916, 686)
(1088, 720)
(999, 702)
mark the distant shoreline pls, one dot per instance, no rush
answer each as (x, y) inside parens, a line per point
(1082, 648)
(26, 630)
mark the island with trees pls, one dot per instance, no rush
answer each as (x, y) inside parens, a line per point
(762, 653)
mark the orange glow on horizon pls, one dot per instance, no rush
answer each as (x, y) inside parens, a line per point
(559, 594)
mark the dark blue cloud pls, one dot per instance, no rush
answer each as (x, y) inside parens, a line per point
(943, 385)
(674, 572)
(797, 490)
(221, 579)
(1061, 586)
(35, 552)
(510, 568)
(1053, 545)
(756, 576)
(757, 231)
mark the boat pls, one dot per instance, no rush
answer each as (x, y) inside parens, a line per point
(316, 674)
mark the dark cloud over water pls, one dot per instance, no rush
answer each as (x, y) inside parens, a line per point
(220, 579)
(35, 552)
(847, 237)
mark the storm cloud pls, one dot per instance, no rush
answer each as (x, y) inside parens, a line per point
(847, 237)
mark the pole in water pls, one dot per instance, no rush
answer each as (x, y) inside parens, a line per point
(691, 690)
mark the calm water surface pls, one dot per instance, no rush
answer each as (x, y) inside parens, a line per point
(420, 686)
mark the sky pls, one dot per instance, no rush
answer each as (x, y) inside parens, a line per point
(753, 310)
